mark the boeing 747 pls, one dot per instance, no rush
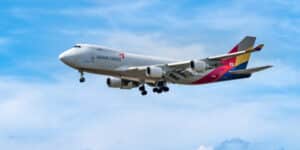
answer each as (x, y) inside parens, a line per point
(128, 71)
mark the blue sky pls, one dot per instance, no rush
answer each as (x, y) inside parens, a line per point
(42, 105)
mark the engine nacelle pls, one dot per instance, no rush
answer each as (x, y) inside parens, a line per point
(199, 66)
(120, 83)
(154, 72)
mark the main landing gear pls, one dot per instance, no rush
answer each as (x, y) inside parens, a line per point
(143, 90)
(82, 79)
(159, 88)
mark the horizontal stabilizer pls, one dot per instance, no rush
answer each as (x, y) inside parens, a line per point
(242, 52)
(250, 70)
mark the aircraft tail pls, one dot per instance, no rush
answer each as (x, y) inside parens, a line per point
(241, 61)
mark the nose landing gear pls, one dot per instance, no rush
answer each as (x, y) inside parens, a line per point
(82, 79)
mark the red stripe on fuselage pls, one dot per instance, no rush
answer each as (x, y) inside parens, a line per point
(217, 73)
(214, 75)
(231, 61)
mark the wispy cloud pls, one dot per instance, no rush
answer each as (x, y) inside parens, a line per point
(145, 43)
(239, 144)
(109, 9)
(80, 121)
(203, 147)
(278, 80)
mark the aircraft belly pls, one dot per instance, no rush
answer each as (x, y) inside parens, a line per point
(187, 81)
(103, 72)
(120, 74)
(191, 79)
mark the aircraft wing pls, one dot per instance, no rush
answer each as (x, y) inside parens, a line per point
(172, 71)
(186, 64)
(180, 65)
(182, 69)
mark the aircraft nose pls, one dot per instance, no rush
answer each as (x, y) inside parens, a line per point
(68, 57)
(63, 57)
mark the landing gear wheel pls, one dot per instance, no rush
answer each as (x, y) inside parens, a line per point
(142, 88)
(155, 90)
(82, 79)
(166, 89)
(159, 91)
(144, 93)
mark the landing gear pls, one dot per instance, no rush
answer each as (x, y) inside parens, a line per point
(161, 87)
(166, 89)
(82, 79)
(143, 90)
(144, 93)
(159, 91)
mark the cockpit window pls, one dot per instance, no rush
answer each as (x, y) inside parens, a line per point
(77, 46)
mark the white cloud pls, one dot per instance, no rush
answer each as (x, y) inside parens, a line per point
(233, 144)
(92, 116)
(281, 75)
(154, 44)
(202, 147)
(240, 144)
(234, 17)
(109, 8)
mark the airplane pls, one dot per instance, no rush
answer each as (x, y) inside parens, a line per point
(128, 70)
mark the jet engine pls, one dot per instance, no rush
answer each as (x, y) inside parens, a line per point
(120, 83)
(154, 72)
(199, 65)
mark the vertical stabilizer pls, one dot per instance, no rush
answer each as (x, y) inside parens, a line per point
(241, 62)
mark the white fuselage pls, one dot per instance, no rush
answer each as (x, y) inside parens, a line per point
(131, 70)
(105, 61)
(99, 60)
